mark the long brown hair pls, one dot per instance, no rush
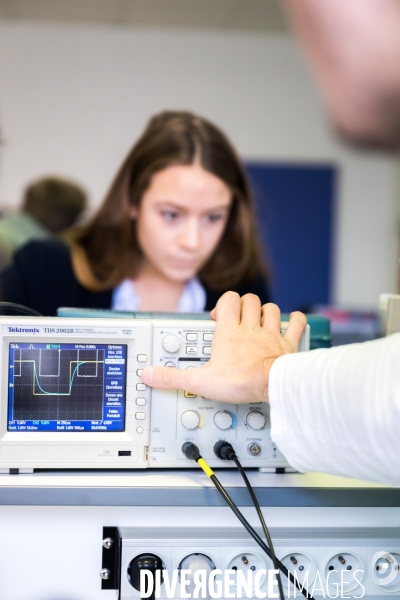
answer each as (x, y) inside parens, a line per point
(106, 251)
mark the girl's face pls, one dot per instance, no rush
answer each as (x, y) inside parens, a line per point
(181, 219)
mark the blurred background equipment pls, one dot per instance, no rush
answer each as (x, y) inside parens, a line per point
(350, 326)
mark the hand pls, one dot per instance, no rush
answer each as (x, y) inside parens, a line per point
(246, 342)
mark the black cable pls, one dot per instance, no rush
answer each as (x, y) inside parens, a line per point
(256, 537)
(25, 310)
(192, 452)
(225, 451)
(262, 521)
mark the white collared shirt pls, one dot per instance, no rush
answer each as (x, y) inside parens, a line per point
(192, 300)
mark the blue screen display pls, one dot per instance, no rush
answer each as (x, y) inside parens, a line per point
(66, 387)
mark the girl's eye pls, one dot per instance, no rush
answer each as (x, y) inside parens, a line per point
(215, 217)
(170, 215)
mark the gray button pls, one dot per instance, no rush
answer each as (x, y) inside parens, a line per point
(207, 350)
(141, 401)
(191, 337)
(142, 357)
(191, 350)
(141, 387)
(140, 416)
(207, 337)
(170, 343)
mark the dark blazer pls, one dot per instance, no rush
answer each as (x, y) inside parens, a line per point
(41, 277)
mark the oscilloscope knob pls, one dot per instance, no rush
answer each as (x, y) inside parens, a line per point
(255, 419)
(223, 419)
(190, 419)
(170, 343)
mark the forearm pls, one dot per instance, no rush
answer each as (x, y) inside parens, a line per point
(338, 410)
(354, 49)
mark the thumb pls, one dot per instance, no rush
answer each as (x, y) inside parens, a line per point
(166, 378)
(297, 324)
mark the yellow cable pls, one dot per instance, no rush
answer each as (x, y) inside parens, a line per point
(207, 470)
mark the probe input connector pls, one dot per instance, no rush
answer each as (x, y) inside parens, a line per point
(224, 450)
(191, 451)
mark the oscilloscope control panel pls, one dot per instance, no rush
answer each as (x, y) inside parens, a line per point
(72, 397)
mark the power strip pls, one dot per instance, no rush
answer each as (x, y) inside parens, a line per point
(329, 562)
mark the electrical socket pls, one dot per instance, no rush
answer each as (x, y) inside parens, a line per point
(127, 590)
(301, 564)
(179, 556)
(248, 560)
(343, 570)
(386, 570)
(193, 563)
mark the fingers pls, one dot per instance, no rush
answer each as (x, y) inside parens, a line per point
(271, 318)
(250, 310)
(227, 311)
(165, 378)
(231, 309)
(297, 324)
(169, 378)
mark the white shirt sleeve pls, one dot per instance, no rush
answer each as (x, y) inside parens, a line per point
(338, 410)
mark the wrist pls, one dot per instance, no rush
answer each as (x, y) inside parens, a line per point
(268, 363)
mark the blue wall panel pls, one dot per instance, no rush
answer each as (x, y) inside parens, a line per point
(295, 210)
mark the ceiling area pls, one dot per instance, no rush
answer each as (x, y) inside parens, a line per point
(239, 15)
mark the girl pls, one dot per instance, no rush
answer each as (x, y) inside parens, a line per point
(175, 231)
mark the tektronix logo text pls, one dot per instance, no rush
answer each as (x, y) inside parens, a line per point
(23, 330)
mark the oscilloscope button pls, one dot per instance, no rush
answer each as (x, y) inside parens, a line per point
(141, 401)
(191, 349)
(207, 337)
(141, 387)
(140, 416)
(207, 350)
(255, 419)
(139, 372)
(191, 337)
(139, 429)
(170, 343)
(223, 419)
(142, 357)
(190, 419)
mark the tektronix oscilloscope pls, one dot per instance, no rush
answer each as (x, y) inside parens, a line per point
(72, 397)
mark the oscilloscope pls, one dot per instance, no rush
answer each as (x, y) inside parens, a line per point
(72, 397)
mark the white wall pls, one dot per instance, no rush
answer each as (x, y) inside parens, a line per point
(74, 98)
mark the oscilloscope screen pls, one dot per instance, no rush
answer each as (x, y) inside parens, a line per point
(67, 387)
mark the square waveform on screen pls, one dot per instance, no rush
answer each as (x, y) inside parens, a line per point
(66, 387)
